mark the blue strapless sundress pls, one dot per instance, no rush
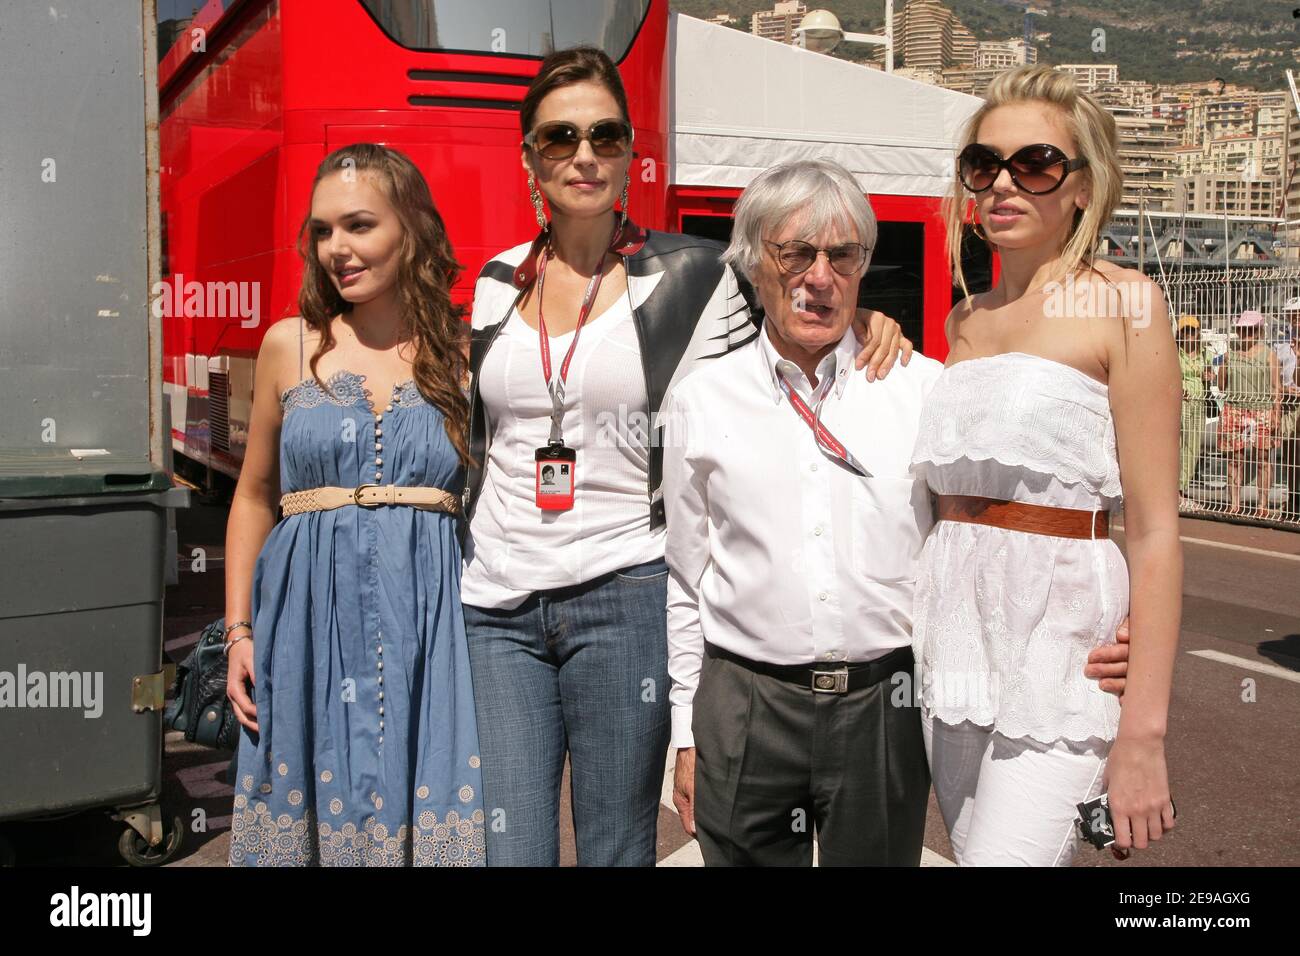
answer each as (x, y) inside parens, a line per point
(367, 753)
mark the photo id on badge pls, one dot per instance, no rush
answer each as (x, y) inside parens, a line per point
(556, 476)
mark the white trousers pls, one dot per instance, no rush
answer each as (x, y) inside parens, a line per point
(1010, 801)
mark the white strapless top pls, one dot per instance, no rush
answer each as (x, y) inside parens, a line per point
(1004, 620)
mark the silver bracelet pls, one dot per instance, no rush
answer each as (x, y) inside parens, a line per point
(229, 644)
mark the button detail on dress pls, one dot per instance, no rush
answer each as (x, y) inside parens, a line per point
(823, 596)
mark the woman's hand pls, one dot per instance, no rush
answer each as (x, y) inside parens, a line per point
(1137, 786)
(1108, 663)
(881, 339)
(239, 670)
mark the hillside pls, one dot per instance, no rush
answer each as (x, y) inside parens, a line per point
(1250, 42)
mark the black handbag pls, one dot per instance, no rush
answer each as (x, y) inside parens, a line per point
(199, 706)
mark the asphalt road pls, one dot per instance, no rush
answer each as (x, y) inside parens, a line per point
(1232, 749)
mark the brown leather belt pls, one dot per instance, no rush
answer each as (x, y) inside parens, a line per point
(1019, 516)
(369, 496)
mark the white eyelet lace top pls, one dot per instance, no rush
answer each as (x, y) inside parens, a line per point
(1004, 620)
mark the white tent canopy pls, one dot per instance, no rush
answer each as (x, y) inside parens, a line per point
(740, 103)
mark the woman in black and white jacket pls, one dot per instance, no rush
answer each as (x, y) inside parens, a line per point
(578, 337)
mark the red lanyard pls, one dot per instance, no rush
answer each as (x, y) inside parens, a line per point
(556, 387)
(825, 439)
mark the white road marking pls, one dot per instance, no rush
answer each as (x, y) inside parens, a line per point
(688, 855)
(666, 791)
(930, 858)
(1241, 547)
(1246, 664)
(1263, 552)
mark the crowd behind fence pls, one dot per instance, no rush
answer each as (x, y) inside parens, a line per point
(1238, 332)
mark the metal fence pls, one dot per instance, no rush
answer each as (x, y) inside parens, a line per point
(1239, 458)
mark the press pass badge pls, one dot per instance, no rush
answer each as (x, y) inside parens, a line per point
(557, 467)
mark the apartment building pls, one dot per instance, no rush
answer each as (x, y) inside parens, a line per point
(1004, 54)
(1089, 76)
(780, 22)
(1147, 158)
(928, 36)
(1290, 191)
(1230, 194)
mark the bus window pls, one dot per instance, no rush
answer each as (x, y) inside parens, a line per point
(893, 283)
(174, 18)
(510, 27)
(708, 227)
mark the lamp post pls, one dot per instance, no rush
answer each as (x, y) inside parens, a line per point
(820, 31)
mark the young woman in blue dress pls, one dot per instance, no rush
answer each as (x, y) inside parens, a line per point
(348, 666)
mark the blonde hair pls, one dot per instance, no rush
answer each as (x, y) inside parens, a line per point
(1095, 135)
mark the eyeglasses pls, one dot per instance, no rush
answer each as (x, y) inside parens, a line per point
(1037, 169)
(797, 256)
(610, 138)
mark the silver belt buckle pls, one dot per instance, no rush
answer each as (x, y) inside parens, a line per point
(831, 682)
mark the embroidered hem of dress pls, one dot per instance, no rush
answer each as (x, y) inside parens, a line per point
(1072, 731)
(454, 840)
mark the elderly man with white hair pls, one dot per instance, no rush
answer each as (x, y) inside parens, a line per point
(794, 528)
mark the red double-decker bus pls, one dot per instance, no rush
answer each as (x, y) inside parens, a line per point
(254, 93)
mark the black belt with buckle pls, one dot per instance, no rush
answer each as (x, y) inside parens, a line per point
(828, 678)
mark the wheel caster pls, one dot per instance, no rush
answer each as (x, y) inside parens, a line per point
(137, 851)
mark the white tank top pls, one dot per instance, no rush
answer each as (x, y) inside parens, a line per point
(514, 547)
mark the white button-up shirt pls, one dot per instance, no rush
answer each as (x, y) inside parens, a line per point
(777, 551)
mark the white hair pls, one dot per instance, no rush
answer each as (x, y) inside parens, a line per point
(822, 193)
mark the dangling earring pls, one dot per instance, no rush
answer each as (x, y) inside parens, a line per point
(536, 197)
(627, 182)
(976, 229)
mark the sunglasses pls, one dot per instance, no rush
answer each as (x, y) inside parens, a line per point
(1036, 169)
(610, 138)
(797, 256)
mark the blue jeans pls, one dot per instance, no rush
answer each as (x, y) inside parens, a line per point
(582, 669)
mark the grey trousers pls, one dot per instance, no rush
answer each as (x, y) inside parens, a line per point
(775, 762)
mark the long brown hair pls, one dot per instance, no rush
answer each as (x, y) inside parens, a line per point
(426, 270)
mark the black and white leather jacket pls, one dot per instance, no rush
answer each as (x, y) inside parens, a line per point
(691, 309)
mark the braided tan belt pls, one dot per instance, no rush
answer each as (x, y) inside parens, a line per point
(369, 496)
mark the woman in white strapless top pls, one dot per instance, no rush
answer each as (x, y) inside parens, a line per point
(1060, 394)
